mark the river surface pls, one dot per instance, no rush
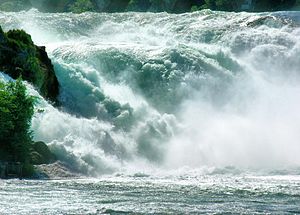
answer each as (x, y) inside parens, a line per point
(185, 194)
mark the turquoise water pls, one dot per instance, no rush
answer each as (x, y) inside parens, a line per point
(185, 194)
(164, 113)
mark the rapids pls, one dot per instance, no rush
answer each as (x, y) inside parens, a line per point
(144, 92)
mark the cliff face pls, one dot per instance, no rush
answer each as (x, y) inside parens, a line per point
(20, 57)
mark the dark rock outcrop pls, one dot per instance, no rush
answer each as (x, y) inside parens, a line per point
(56, 170)
(40, 154)
(19, 56)
(10, 170)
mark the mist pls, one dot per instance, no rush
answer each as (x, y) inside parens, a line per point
(160, 91)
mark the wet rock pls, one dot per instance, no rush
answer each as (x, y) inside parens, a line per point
(41, 154)
(19, 56)
(57, 170)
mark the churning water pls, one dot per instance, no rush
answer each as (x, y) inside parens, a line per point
(182, 113)
(177, 194)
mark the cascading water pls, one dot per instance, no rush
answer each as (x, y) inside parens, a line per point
(176, 114)
(199, 89)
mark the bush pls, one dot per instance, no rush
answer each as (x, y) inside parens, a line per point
(15, 5)
(16, 111)
(138, 5)
(194, 8)
(81, 6)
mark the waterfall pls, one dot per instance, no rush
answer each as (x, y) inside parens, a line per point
(198, 89)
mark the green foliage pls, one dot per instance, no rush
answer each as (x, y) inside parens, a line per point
(54, 5)
(28, 169)
(21, 36)
(158, 6)
(138, 5)
(297, 5)
(15, 5)
(80, 6)
(194, 8)
(222, 5)
(117, 5)
(209, 4)
(16, 145)
(227, 5)
(6, 123)
(274, 5)
(20, 57)
(174, 6)
(16, 111)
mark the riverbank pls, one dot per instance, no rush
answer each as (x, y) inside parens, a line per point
(22, 60)
(175, 6)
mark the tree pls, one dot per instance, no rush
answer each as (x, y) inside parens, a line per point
(138, 5)
(273, 5)
(81, 6)
(6, 124)
(209, 4)
(16, 111)
(226, 5)
(157, 5)
(15, 5)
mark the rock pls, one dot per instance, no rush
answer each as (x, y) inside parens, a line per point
(41, 154)
(11, 170)
(20, 57)
(57, 170)
(36, 158)
(50, 87)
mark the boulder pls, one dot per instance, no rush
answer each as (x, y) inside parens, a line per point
(19, 56)
(40, 154)
(56, 170)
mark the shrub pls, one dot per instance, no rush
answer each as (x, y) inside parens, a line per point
(138, 5)
(16, 111)
(81, 6)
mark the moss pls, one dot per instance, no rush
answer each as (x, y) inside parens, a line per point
(20, 57)
(21, 36)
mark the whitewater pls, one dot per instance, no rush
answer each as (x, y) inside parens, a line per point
(167, 113)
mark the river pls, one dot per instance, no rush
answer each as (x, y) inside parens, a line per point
(167, 113)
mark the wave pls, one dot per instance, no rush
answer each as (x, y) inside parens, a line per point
(143, 90)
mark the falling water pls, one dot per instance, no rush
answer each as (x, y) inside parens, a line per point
(172, 97)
